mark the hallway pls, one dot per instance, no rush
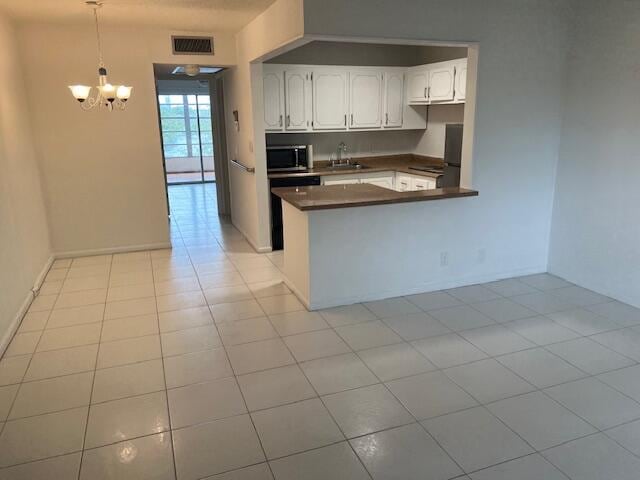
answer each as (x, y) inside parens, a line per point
(198, 362)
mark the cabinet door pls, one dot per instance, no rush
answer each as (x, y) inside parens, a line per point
(403, 183)
(384, 182)
(273, 93)
(418, 84)
(297, 101)
(340, 181)
(393, 99)
(330, 95)
(461, 81)
(365, 95)
(441, 84)
(423, 183)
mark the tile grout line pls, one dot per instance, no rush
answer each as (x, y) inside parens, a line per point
(319, 397)
(93, 382)
(164, 381)
(234, 377)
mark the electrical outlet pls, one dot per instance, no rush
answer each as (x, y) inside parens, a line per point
(444, 259)
(482, 255)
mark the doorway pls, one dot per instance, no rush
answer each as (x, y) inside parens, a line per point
(191, 123)
(187, 134)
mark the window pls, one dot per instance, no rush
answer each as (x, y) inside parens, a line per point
(186, 125)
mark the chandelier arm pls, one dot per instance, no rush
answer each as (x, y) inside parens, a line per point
(92, 102)
(106, 95)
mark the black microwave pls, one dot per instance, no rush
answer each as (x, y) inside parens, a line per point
(289, 157)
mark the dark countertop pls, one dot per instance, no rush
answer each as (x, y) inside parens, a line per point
(323, 197)
(386, 163)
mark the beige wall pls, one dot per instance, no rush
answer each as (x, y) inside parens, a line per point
(102, 171)
(279, 25)
(595, 239)
(24, 235)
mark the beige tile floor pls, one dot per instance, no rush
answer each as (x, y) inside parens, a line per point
(197, 362)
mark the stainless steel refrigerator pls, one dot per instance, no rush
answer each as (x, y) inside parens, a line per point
(452, 155)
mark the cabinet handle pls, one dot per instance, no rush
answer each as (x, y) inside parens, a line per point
(352, 119)
(429, 92)
(345, 119)
(288, 120)
(426, 95)
(280, 120)
(386, 119)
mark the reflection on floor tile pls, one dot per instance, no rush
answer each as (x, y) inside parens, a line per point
(404, 452)
(295, 428)
(476, 439)
(146, 457)
(200, 353)
(233, 439)
(337, 462)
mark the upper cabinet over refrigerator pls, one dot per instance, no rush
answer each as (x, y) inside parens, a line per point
(441, 83)
(461, 80)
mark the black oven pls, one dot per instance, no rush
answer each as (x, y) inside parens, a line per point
(289, 157)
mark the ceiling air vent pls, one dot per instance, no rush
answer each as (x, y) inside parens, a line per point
(192, 45)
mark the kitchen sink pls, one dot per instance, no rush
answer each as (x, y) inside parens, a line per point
(347, 166)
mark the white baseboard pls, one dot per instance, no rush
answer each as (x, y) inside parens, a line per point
(251, 242)
(110, 250)
(24, 307)
(304, 300)
(43, 273)
(422, 288)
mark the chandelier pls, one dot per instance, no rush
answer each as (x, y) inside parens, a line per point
(106, 95)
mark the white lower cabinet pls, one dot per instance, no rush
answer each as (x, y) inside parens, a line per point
(382, 179)
(402, 182)
(340, 180)
(412, 183)
(423, 183)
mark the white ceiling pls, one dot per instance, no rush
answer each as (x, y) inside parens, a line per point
(202, 15)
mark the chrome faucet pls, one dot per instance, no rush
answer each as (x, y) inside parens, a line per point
(342, 149)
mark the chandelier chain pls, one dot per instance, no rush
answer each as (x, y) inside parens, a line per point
(99, 43)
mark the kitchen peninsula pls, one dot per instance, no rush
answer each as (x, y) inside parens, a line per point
(359, 242)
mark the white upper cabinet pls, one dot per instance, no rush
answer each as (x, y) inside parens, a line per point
(461, 80)
(441, 83)
(306, 98)
(273, 92)
(418, 84)
(330, 99)
(297, 89)
(393, 101)
(365, 96)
